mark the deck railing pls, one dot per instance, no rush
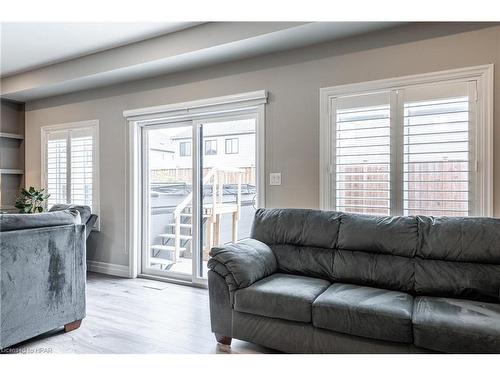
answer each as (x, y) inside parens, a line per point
(217, 174)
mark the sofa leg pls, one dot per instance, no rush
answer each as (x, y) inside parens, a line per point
(72, 326)
(224, 340)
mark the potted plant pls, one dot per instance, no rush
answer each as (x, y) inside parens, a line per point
(31, 201)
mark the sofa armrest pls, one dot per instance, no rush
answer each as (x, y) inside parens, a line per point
(243, 263)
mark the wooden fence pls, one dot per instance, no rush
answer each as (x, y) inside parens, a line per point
(184, 175)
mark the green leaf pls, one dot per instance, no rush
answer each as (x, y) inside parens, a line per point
(31, 200)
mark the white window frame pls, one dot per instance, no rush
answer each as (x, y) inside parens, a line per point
(211, 142)
(231, 140)
(94, 124)
(230, 106)
(188, 147)
(481, 75)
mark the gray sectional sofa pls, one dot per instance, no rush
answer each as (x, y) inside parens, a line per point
(42, 274)
(311, 281)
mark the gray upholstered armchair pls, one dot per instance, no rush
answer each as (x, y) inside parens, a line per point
(42, 274)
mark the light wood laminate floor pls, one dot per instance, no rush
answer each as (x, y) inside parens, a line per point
(139, 316)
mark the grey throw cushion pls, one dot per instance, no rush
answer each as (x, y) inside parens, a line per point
(364, 311)
(456, 326)
(281, 296)
(9, 222)
(84, 211)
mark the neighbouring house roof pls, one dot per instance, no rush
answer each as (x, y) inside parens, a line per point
(161, 142)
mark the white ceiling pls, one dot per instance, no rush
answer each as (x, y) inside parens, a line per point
(30, 45)
(207, 44)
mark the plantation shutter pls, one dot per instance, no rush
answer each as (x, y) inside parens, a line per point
(437, 150)
(56, 167)
(363, 153)
(70, 171)
(81, 166)
(406, 151)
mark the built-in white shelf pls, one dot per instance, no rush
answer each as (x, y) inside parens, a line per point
(11, 171)
(11, 135)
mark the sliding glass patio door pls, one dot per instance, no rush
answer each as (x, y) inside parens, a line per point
(167, 197)
(199, 191)
(228, 189)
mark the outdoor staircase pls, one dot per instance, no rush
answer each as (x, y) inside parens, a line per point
(176, 242)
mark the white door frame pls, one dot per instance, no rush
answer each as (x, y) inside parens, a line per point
(205, 109)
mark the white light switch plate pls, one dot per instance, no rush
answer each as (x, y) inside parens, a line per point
(274, 179)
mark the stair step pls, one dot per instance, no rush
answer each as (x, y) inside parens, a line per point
(191, 215)
(171, 235)
(166, 248)
(160, 261)
(182, 225)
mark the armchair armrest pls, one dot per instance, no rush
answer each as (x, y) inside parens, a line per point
(243, 263)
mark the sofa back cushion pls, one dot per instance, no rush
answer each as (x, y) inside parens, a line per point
(295, 226)
(302, 240)
(376, 251)
(393, 235)
(376, 270)
(10, 222)
(458, 257)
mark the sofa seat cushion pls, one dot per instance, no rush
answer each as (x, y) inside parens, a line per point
(456, 325)
(282, 296)
(365, 311)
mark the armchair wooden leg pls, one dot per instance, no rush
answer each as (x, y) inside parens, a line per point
(224, 340)
(72, 326)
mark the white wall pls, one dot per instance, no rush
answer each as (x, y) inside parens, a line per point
(293, 80)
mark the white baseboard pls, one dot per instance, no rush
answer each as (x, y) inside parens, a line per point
(108, 268)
